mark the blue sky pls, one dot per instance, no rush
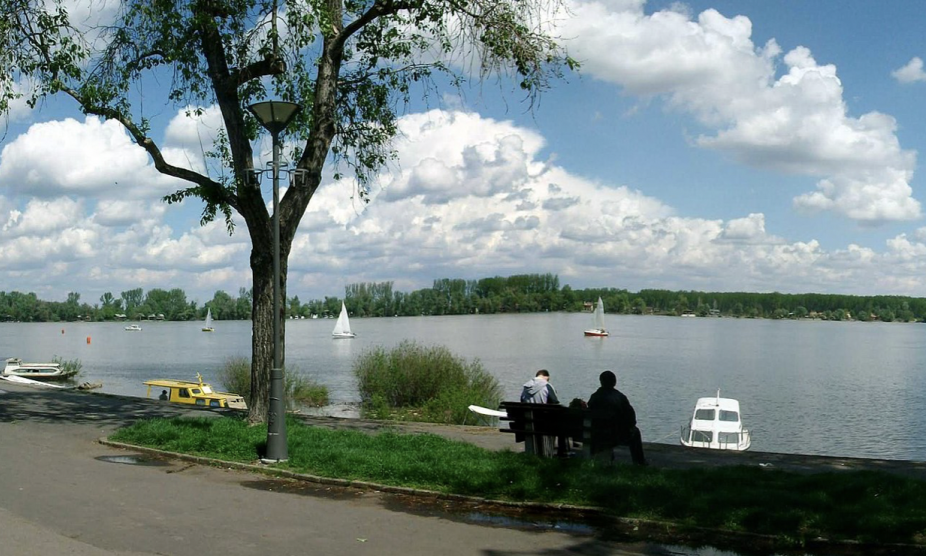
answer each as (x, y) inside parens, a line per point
(723, 146)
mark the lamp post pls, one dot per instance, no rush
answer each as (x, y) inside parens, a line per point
(275, 116)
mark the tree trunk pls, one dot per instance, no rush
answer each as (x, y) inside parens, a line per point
(262, 328)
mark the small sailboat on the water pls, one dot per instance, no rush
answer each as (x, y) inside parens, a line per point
(342, 327)
(598, 328)
(207, 327)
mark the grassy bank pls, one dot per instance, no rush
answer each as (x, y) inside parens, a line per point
(861, 506)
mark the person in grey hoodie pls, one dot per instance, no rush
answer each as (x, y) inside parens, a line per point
(539, 389)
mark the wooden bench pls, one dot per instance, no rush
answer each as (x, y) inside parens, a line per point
(531, 422)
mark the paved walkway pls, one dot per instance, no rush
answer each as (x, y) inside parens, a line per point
(60, 495)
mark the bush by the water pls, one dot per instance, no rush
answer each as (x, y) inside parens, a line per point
(69, 367)
(235, 376)
(419, 383)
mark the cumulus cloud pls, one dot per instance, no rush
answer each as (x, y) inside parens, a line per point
(542, 219)
(69, 157)
(437, 214)
(798, 123)
(910, 73)
(115, 212)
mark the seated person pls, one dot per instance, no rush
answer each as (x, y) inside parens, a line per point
(614, 422)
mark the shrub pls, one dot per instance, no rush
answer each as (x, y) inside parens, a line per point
(235, 376)
(422, 383)
(305, 391)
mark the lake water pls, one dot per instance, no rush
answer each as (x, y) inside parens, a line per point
(830, 388)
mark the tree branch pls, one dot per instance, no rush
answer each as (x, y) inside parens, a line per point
(272, 65)
(211, 188)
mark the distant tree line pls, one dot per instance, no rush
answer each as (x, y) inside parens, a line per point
(135, 304)
(525, 293)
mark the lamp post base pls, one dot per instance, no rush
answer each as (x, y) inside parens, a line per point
(277, 450)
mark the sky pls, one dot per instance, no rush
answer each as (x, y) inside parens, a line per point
(703, 145)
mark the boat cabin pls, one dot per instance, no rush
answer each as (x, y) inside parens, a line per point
(15, 367)
(716, 424)
(194, 393)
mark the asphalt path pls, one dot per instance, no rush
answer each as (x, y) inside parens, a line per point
(62, 492)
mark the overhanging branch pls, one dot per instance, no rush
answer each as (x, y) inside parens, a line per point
(212, 190)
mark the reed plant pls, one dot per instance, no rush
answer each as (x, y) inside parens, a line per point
(422, 383)
(235, 376)
(794, 509)
(71, 368)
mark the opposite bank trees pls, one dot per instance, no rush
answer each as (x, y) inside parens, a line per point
(351, 64)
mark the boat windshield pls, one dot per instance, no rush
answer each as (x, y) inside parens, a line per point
(702, 436)
(729, 416)
(728, 437)
(207, 389)
(704, 415)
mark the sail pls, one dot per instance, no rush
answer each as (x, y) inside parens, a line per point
(209, 318)
(342, 327)
(599, 315)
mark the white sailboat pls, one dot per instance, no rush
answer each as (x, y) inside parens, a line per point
(207, 327)
(598, 328)
(342, 327)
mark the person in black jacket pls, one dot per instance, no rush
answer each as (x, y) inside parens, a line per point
(614, 422)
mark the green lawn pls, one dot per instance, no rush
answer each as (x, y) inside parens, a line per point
(861, 506)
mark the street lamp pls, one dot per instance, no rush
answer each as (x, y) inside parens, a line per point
(275, 116)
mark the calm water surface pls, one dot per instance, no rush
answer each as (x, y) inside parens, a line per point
(831, 388)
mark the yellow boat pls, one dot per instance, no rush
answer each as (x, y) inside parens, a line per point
(194, 393)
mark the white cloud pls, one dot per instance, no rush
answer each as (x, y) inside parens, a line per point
(114, 212)
(910, 73)
(42, 217)
(470, 197)
(194, 128)
(745, 229)
(68, 157)
(795, 123)
(544, 219)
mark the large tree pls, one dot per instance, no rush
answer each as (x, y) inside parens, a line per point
(353, 64)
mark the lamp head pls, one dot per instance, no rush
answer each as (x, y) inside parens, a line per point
(275, 115)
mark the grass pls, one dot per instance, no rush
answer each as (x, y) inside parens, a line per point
(864, 506)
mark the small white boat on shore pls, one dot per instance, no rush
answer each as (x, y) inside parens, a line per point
(36, 371)
(716, 424)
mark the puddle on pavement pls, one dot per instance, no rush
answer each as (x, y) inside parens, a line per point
(134, 459)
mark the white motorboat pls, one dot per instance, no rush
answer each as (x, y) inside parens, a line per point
(207, 327)
(342, 327)
(598, 328)
(716, 424)
(39, 371)
(133, 328)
